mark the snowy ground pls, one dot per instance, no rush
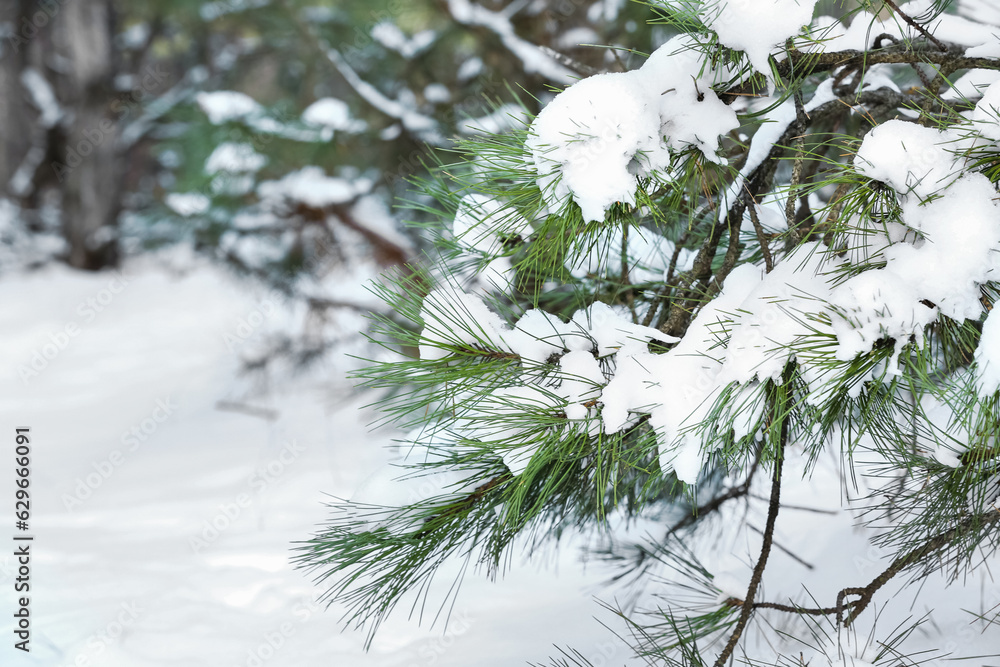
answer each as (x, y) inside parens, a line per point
(127, 566)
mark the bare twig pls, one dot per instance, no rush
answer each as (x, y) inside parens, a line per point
(919, 28)
(761, 237)
(765, 550)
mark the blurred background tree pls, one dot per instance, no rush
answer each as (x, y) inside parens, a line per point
(276, 136)
(115, 143)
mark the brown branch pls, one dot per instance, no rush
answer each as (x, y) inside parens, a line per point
(464, 504)
(765, 550)
(954, 58)
(923, 31)
(761, 237)
(901, 563)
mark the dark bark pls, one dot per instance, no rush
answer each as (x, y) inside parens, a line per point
(88, 169)
(18, 117)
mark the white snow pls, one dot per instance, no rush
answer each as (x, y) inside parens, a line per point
(648, 255)
(311, 186)
(759, 27)
(594, 141)
(437, 93)
(389, 35)
(482, 222)
(223, 106)
(234, 158)
(986, 116)
(946, 27)
(470, 69)
(179, 553)
(331, 114)
(506, 117)
(988, 356)
(533, 59)
(187, 203)
(908, 157)
(422, 126)
(42, 96)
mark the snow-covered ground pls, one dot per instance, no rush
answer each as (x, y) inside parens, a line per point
(162, 525)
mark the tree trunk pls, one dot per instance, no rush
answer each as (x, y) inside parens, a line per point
(18, 119)
(88, 169)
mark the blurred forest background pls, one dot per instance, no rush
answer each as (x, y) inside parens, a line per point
(278, 136)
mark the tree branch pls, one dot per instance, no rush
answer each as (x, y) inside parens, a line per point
(919, 28)
(765, 550)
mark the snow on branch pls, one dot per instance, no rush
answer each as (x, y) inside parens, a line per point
(534, 59)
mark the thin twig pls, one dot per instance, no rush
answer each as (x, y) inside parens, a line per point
(761, 237)
(921, 29)
(765, 549)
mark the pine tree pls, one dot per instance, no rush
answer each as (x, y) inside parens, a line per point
(739, 295)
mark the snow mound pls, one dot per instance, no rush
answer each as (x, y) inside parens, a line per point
(594, 142)
(759, 27)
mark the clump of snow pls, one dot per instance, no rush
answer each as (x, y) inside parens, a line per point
(759, 27)
(980, 11)
(595, 139)
(578, 36)
(311, 186)
(234, 158)
(604, 10)
(483, 224)
(908, 157)
(988, 356)
(331, 114)
(862, 31)
(986, 115)
(565, 365)
(972, 84)
(43, 97)
(470, 69)
(223, 106)
(455, 318)
(187, 203)
(389, 35)
(437, 93)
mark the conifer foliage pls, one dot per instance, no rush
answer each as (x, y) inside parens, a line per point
(738, 299)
